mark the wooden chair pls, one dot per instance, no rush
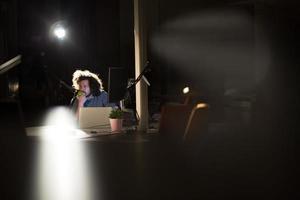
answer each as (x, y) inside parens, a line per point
(173, 120)
(197, 123)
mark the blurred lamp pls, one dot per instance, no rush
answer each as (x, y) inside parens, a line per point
(187, 95)
(60, 32)
(186, 90)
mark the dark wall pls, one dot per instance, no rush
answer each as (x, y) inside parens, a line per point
(277, 63)
(8, 48)
(8, 30)
(127, 37)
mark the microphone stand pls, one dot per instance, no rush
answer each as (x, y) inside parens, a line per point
(141, 76)
(131, 85)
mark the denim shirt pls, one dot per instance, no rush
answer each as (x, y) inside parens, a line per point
(95, 101)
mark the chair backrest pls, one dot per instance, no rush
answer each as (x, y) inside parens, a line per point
(173, 119)
(197, 123)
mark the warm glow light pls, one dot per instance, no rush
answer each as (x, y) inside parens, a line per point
(60, 32)
(186, 90)
(202, 105)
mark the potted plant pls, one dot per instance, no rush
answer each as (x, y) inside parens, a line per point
(116, 120)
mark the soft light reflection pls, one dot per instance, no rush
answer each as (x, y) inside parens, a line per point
(60, 124)
(61, 117)
(202, 105)
(63, 171)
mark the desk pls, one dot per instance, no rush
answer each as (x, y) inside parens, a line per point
(134, 166)
(53, 132)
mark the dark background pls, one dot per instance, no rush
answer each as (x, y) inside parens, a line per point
(235, 55)
(241, 57)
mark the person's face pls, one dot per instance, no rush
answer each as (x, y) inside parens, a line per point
(85, 86)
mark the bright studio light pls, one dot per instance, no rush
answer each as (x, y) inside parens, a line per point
(186, 90)
(60, 33)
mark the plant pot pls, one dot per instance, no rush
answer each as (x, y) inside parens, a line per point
(116, 125)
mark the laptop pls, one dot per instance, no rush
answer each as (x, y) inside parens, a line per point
(94, 119)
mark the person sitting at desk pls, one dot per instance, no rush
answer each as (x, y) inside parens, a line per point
(90, 92)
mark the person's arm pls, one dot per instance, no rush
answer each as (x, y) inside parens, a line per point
(74, 104)
(80, 103)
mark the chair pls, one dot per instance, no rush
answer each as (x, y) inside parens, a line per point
(197, 123)
(173, 120)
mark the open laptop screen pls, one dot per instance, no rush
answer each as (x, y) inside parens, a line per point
(94, 117)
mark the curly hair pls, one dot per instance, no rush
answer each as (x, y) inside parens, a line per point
(94, 81)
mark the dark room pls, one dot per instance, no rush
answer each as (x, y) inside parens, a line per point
(149, 99)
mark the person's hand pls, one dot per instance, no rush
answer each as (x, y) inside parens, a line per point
(81, 98)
